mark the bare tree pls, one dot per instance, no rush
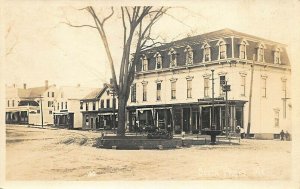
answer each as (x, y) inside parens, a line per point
(137, 23)
(14, 40)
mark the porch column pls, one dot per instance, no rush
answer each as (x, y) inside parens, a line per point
(165, 118)
(181, 119)
(173, 121)
(190, 122)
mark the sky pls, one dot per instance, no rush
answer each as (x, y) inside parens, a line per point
(47, 49)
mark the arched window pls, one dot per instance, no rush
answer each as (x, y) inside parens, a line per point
(189, 55)
(173, 57)
(277, 56)
(144, 63)
(222, 49)
(158, 60)
(261, 53)
(206, 52)
(243, 48)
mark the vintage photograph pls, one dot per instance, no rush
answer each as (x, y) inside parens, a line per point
(170, 91)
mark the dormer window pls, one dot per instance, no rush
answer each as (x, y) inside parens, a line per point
(277, 56)
(173, 57)
(189, 55)
(260, 53)
(243, 48)
(222, 49)
(206, 52)
(158, 60)
(144, 63)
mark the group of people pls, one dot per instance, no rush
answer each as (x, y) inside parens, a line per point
(285, 135)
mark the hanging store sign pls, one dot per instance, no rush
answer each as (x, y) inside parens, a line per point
(210, 99)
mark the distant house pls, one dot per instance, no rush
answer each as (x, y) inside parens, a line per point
(173, 85)
(26, 105)
(67, 106)
(99, 109)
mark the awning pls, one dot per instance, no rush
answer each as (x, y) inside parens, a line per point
(107, 113)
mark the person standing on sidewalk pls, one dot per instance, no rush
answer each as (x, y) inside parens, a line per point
(282, 135)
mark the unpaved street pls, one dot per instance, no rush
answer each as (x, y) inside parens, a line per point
(50, 154)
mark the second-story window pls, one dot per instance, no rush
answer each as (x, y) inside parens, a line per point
(144, 63)
(58, 106)
(189, 55)
(107, 103)
(8, 103)
(243, 85)
(144, 91)
(62, 105)
(102, 103)
(13, 103)
(222, 83)
(173, 57)
(87, 106)
(158, 60)
(52, 94)
(277, 56)
(133, 92)
(206, 87)
(81, 105)
(158, 91)
(66, 105)
(48, 94)
(264, 86)
(94, 105)
(189, 88)
(173, 89)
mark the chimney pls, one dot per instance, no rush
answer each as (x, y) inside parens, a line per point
(24, 85)
(46, 84)
(78, 85)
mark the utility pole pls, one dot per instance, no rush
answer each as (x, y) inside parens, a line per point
(212, 127)
(250, 98)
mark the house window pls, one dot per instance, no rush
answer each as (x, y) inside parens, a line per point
(49, 103)
(58, 106)
(243, 50)
(144, 92)
(48, 94)
(62, 105)
(81, 105)
(264, 87)
(94, 105)
(52, 94)
(222, 50)
(144, 62)
(173, 57)
(107, 103)
(50, 112)
(66, 105)
(158, 91)
(277, 56)
(222, 83)
(173, 89)
(8, 103)
(158, 60)
(243, 85)
(189, 88)
(260, 53)
(206, 87)
(276, 117)
(189, 55)
(102, 103)
(13, 103)
(133, 92)
(87, 106)
(206, 52)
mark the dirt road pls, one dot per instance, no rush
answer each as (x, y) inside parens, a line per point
(47, 154)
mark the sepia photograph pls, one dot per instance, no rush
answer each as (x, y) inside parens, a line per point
(141, 94)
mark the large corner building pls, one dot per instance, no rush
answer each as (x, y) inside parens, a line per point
(173, 85)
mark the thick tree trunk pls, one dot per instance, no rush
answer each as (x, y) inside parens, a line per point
(121, 116)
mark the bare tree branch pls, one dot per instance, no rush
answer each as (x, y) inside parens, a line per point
(79, 26)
